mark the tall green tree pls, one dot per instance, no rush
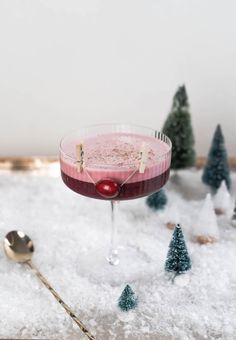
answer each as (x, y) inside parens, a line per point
(178, 260)
(217, 166)
(178, 128)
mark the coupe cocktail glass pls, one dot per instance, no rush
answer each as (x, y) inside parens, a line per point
(115, 162)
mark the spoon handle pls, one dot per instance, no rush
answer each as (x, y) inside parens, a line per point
(62, 303)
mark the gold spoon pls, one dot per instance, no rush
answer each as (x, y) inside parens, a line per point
(19, 248)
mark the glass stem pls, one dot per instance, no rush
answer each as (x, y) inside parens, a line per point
(113, 257)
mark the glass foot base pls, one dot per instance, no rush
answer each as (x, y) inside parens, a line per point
(113, 258)
(131, 265)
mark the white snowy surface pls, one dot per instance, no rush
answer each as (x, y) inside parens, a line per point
(71, 236)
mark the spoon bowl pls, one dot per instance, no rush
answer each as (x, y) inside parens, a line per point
(18, 246)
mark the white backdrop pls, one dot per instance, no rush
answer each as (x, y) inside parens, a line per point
(69, 63)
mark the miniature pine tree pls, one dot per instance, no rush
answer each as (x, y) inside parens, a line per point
(127, 300)
(157, 201)
(206, 229)
(217, 166)
(178, 128)
(222, 199)
(233, 218)
(178, 259)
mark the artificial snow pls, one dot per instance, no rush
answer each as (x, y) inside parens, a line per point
(71, 235)
(182, 280)
(172, 214)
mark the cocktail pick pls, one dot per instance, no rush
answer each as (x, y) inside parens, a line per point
(143, 157)
(19, 248)
(79, 157)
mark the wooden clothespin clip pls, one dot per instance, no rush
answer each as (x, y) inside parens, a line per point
(143, 157)
(79, 157)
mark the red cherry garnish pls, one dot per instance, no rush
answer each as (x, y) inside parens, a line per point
(108, 188)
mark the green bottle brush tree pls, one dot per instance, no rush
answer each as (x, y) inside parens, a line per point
(127, 300)
(178, 128)
(217, 166)
(178, 259)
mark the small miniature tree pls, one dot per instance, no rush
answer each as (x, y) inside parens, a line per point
(222, 199)
(205, 230)
(217, 165)
(127, 300)
(157, 201)
(178, 259)
(178, 128)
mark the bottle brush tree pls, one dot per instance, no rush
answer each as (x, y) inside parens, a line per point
(217, 166)
(127, 300)
(178, 128)
(157, 201)
(178, 259)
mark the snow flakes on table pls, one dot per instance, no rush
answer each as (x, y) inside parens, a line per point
(67, 228)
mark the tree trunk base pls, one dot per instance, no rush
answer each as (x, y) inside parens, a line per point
(202, 239)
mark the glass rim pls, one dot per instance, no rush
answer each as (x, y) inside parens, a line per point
(155, 131)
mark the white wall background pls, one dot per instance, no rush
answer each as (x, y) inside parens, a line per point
(67, 63)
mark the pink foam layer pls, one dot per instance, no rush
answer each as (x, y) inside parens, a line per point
(158, 163)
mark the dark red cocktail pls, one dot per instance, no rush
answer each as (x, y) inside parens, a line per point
(117, 162)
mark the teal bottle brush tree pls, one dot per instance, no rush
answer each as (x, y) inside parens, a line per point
(128, 299)
(178, 260)
(217, 165)
(157, 201)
